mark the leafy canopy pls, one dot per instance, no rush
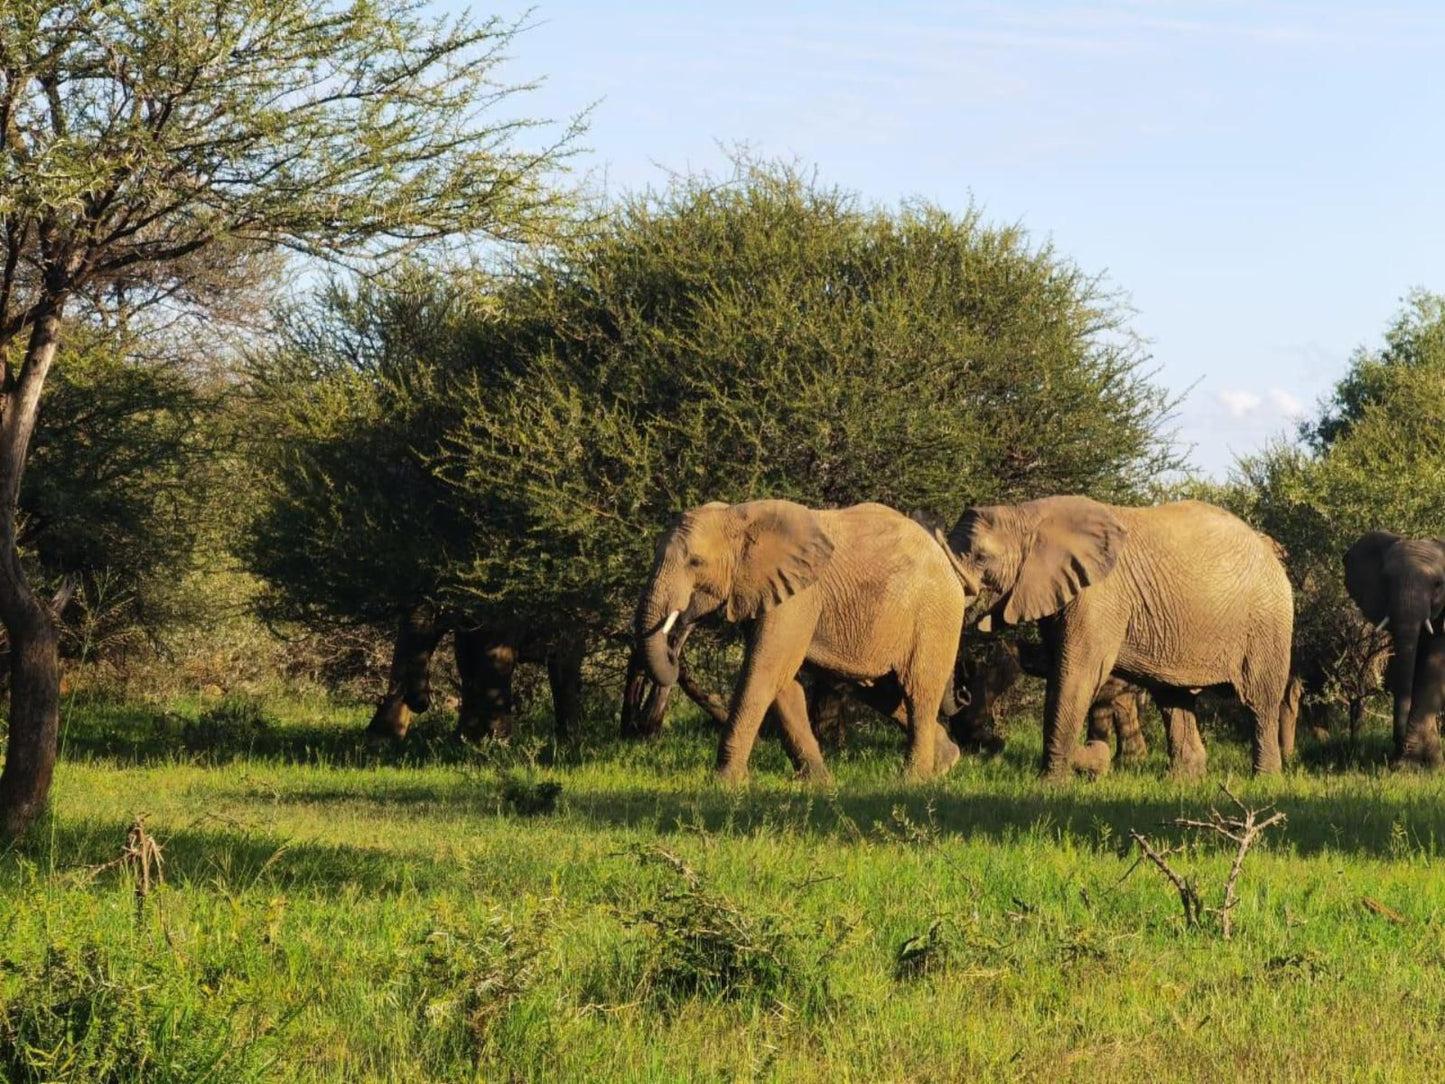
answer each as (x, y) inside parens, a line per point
(720, 339)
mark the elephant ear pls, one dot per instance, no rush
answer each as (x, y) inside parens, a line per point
(782, 550)
(1365, 574)
(1075, 544)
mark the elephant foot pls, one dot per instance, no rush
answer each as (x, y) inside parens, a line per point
(945, 756)
(730, 776)
(1418, 761)
(1271, 765)
(1188, 768)
(1093, 758)
(814, 775)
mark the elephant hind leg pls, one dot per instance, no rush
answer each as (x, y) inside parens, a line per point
(1264, 696)
(930, 671)
(791, 706)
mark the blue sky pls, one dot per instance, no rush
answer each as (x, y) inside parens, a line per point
(1264, 180)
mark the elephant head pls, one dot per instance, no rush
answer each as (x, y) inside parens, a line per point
(743, 558)
(1399, 585)
(1031, 560)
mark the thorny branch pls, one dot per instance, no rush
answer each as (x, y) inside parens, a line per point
(1243, 831)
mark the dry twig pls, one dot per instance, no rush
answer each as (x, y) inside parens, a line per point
(142, 856)
(1243, 831)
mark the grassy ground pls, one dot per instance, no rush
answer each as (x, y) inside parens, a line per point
(442, 914)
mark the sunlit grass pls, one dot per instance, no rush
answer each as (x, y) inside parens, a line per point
(334, 913)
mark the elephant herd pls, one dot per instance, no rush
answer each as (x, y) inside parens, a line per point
(1164, 601)
(1174, 599)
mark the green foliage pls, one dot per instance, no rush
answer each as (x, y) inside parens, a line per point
(758, 336)
(325, 920)
(933, 952)
(90, 1016)
(768, 336)
(126, 466)
(698, 943)
(234, 727)
(355, 527)
(529, 797)
(1375, 458)
(469, 977)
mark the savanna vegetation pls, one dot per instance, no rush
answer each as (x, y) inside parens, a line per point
(308, 338)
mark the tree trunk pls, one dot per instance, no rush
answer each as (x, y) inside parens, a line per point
(29, 624)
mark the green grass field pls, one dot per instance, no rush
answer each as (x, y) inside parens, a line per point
(441, 914)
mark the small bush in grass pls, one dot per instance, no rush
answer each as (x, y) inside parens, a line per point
(529, 797)
(470, 977)
(85, 1015)
(932, 952)
(699, 943)
(235, 726)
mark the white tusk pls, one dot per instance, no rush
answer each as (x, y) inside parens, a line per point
(671, 620)
(1429, 627)
(1383, 622)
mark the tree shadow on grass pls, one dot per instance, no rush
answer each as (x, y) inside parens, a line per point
(1372, 816)
(235, 859)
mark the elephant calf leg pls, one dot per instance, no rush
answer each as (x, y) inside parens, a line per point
(1187, 758)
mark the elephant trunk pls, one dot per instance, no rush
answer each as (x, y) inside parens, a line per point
(661, 631)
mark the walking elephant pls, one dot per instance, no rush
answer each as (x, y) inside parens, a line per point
(1175, 598)
(864, 594)
(486, 659)
(1113, 714)
(1399, 585)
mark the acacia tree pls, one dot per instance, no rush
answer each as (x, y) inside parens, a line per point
(137, 134)
(768, 335)
(1373, 457)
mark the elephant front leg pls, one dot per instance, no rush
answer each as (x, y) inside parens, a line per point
(1066, 708)
(485, 664)
(564, 677)
(1422, 733)
(776, 649)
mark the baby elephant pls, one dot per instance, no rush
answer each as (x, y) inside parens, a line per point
(861, 593)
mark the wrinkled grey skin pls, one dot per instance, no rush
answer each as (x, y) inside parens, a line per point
(1400, 583)
(863, 594)
(1175, 598)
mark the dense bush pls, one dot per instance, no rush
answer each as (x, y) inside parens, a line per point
(511, 447)
(1373, 458)
(121, 492)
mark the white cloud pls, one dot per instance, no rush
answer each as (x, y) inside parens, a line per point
(1286, 403)
(1239, 403)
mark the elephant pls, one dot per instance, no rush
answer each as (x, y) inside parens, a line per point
(1113, 714)
(486, 659)
(1399, 585)
(1175, 598)
(862, 593)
